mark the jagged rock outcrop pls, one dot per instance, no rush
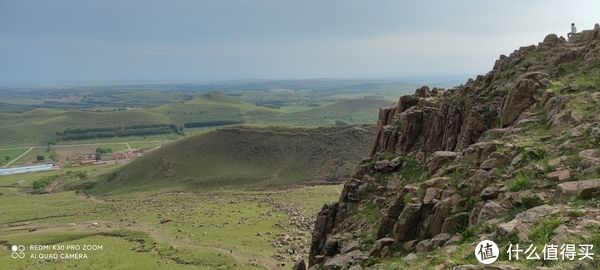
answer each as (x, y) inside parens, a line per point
(521, 96)
(447, 160)
(323, 225)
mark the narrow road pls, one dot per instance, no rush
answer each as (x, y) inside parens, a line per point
(19, 157)
(88, 144)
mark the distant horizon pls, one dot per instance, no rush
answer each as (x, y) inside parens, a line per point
(65, 41)
(458, 78)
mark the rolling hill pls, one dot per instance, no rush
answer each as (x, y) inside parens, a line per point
(42, 126)
(245, 157)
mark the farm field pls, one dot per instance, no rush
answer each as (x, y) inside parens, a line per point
(70, 154)
(8, 156)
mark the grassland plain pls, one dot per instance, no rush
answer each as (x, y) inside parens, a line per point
(234, 229)
(45, 125)
(245, 157)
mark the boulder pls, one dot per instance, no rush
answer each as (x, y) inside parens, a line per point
(354, 191)
(410, 257)
(557, 161)
(390, 216)
(379, 245)
(559, 176)
(331, 247)
(518, 100)
(521, 225)
(589, 158)
(438, 159)
(451, 223)
(440, 239)
(551, 39)
(406, 226)
(432, 194)
(299, 265)
(424, 246)
(579, 189)
(479, 181)
(381, 165)
(491, 210)
(474, 215)
(442, 211)
(493, 134)
(489, 164)
(489, 193)
(388, 165)
(350, 246)
(516, 160)
(344, 261)
(595, 132)
(422, 92)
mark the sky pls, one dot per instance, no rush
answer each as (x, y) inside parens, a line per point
(64, 41)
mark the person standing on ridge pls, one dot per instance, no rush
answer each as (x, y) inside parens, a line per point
(573, 30)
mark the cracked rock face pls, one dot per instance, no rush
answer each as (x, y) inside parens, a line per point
(466, 139)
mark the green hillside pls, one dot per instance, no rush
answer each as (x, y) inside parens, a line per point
(168, 121)
(355, 111)
(245, 157)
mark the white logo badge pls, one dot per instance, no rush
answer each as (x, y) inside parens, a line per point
(487, 252)
(17, 252)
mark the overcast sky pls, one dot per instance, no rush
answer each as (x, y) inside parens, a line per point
(63, 41)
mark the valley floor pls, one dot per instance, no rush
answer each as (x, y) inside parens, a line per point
(241, 229)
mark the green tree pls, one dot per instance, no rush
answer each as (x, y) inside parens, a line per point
(7, 158)
(101, 151)
(40, 157)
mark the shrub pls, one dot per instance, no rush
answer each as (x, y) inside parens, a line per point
(43, 182)
(531, 153)
(531, 202)
(82, 174)
(413, 172)
(469, 235)
(521, 182)
(543, 231)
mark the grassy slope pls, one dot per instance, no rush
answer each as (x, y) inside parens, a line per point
(247, 157)
(130, 231)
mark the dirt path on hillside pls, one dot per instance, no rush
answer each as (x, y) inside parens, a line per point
(19, 157)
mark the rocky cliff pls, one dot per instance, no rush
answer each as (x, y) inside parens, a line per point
(502, 157)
